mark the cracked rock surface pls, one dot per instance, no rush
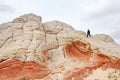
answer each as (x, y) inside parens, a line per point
(53, 50)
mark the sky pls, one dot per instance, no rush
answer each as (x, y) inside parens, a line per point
(100, 16)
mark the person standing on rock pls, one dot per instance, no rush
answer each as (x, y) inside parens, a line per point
(88, 33)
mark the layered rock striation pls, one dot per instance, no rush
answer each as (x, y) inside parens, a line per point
(32, 50)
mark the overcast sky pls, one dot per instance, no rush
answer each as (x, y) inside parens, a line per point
(100, 16)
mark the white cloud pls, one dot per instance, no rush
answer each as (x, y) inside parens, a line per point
(93, 10)
(6, 8)
(103, 15)
(102, 8)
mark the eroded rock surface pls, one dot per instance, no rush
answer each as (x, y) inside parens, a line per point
(17, 70)
(32, 50)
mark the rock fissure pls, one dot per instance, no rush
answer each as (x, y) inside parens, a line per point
(45, 34)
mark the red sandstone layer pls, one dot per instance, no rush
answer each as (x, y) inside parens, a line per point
(83, 52)
(17, 70)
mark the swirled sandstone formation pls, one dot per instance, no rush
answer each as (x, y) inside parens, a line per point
(32, 50)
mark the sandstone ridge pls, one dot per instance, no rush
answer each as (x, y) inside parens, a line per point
(53, 50)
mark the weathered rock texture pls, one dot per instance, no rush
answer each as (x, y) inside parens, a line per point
(32, 50)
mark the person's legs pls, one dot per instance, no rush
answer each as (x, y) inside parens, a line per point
(89, 35)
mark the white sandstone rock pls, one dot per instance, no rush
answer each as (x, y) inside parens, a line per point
(27, 35)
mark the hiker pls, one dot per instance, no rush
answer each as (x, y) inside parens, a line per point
(88, 33)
